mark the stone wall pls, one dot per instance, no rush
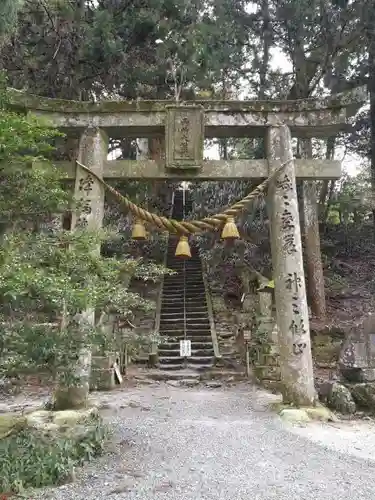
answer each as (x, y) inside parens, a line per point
(144, 322)
(227, 330)
(253, 314)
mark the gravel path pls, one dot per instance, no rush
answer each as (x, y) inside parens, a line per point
(214, 444)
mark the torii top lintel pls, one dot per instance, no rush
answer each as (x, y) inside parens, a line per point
(140, 118)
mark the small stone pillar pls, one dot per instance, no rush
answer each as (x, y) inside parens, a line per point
(93, 152)
(103, 373)
(267, 362)
(296, 367)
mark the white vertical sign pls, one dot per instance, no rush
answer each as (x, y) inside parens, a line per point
(185, 348)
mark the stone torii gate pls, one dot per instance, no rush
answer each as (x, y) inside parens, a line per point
(184, 126)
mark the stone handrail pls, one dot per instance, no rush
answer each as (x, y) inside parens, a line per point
(154, 345)
(215, 342)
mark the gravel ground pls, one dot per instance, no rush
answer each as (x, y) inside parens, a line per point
(174, 443)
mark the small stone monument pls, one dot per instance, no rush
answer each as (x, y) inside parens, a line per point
(357, 356)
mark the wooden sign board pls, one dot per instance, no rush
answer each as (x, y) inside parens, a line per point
(184, 137)
(247, 335)
(185, 348)
(117, 373)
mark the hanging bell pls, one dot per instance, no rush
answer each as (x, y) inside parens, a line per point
(183, 248)
(230, 231)
(139, 231)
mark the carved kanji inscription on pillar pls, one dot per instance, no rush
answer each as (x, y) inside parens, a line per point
(184, 134)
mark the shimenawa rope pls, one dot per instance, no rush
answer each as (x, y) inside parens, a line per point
(187, 227)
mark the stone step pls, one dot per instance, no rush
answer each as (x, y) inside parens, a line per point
(201, 360)
(165, 367)
(193, 324)
(205, 353)
(171, 360)
(181, 277)
(180, 272)
(195, 342)
(196, 301)
(169, 320)
(199, 313)
(173, 304)
(174, 307)
(191, 269)
(184, 314)
(192, 263)
(198, 367)
(180, 326)
(176, 336)
(180, 317)
(183, 374)
(179, 285)
(198, 333)
(178, 333)
(204, 325)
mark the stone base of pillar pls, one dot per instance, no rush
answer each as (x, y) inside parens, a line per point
(266, 353)
(71, 398)
(102, 376)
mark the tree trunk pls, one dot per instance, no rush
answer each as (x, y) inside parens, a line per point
(267, 42)
(315, 277)
(371, 89)
(323, 196)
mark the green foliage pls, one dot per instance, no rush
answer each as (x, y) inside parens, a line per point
(32, 459)
(28, 192)
(43, 275)
(8, 15)
(48, 277)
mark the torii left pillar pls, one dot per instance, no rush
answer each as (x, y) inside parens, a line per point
(93, 152)
(296, 367)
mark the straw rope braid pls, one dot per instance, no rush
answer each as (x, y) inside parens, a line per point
(187, 227)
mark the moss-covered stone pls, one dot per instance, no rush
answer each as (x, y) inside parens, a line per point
(326, 348)
(340, 399)
(297, 415)
(71, 397)
(72, 417)
(21, 99)
(10, 423)
(306, 414)
(320, 413)
(364, 394)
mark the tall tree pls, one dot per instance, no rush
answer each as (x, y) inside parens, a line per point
(8, 16)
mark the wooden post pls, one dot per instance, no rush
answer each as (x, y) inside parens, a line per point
(296, 365)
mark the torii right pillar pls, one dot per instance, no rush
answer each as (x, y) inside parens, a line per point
(296, 366)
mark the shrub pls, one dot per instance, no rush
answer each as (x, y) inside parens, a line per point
(33, 459)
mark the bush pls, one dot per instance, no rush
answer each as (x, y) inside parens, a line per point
(33, 459)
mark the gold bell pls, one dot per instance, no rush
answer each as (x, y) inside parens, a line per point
(230, 231)
(139, 231)
(183, 248)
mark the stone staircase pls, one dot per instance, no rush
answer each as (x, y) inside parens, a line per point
(184, 314)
